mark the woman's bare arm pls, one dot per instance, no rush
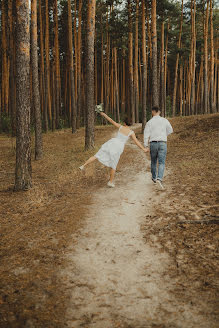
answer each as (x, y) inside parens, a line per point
(138, 143)
(110, 120)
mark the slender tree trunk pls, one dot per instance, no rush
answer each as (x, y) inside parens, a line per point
(193, 55)
(212, 104)
(155, 97)
(57, 63)
(136, 81)
(130, 54)
(144, 74)
(162, 106)
(35, 83)
(42, 76)
(89, 131)
(4, 62)
(177, 64)
(76, 52)
(180, 89)
(47, 92)
(71, 69)
(123, 81)
(23, 180)
(107, 88)
(116, 86)
(206, 59)
(79, 65)
(12, 93)
(165, 70)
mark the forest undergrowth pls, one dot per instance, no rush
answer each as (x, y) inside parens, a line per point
(185, 220)
(37, 225)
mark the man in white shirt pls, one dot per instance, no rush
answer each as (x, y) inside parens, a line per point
(156, 132)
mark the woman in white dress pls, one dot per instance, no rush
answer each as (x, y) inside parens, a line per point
(110, 152)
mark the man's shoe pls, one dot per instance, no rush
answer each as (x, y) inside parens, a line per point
(110, 184)
(154, 181)
(159, 182)
(81, 167)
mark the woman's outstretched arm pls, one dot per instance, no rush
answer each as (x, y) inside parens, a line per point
(110, 120)
(138, 143)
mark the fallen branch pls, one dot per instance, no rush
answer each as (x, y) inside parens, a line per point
(213, 221)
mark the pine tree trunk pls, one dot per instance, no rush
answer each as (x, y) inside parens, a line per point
(42, 76)
(89, 131)
(107, 88)
(47, 89)
(206, 59)
(12, 93)
(136, 81)
(4, 62)
(212, 104)
(193, 56)
(57, 64)
(71, 71)
(155, 96)
(144, 73)
(165, 70)
(35, 83)
(79, 65)
(123, 82)
(162, 106)
(23, 180)
(116, 86)
(130, 55)
(177, 64)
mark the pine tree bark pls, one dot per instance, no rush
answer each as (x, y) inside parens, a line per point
(162, 96)
(71, 71)
(206, 60)
(48, 111)
(23, 176)
(130, 60)
(79, 65)
(35, 83)
(4, 61)
(116, 86)
(89, 130)
(57, 64)
(165, 69)
(42, 71)
(144, 73)
(212, 104)
(155, 95)
(136, 80)
(12, 93)
(177, 64)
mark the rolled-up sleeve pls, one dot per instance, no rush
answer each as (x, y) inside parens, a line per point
(169, 128)
(146, 134)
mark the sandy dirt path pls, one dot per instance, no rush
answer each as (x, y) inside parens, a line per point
(116, 278)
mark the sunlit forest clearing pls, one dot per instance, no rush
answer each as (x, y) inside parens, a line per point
(73, 252)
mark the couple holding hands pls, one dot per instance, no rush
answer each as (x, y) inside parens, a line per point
(155, 141)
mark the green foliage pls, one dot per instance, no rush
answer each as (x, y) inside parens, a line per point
(5, 124)
(168, 107)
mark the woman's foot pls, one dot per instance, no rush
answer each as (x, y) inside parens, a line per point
(111, 184)
(81, 167)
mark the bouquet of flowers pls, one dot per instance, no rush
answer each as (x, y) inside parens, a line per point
(99, 108)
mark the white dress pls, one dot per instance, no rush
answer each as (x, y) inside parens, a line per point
(110, 152)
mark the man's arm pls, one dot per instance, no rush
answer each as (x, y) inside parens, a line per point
(146, 134)
(169, 128)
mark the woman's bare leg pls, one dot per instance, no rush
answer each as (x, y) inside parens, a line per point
(90, 160)
(112, 174)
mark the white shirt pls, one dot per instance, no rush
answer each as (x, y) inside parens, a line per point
(157, 129)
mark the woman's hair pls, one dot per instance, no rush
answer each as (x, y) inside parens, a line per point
(127, 121)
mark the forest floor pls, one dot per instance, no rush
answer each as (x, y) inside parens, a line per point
(77, 254)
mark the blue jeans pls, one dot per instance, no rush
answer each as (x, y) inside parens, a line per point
(158, 151)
